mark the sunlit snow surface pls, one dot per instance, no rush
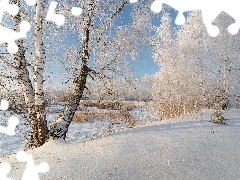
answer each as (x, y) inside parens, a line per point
(77, 131)
(188, 148)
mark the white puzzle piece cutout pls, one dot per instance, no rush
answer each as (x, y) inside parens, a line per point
(10, 130)
(210, 10)
(31, 171)
(8, 35)
(5, 167)
(31, 2)
(4, 105)
(133, 1)
(12, 121)
(51, 16)
(76, 11)
(12, 9)
(4, 170)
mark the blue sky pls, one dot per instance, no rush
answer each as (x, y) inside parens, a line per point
(146, 65)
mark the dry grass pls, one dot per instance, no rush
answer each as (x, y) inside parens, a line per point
(112, 116)
(91, 116)
(121, 111)
(103, 104)
(173, 110)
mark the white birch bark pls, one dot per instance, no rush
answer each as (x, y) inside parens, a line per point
(20, 62)
(27, 88)
(40, 53)
(39, 125)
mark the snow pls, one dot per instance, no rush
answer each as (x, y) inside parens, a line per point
(77, 131)
(180, 148)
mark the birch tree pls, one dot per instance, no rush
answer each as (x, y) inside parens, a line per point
(99, 41)
(97, 21)
(33, 91)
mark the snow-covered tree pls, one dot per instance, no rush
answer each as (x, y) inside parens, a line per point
(96, 28)
(196, 70)
(100, 46)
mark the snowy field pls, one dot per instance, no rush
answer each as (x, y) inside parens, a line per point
(77, 132)
(188, 148)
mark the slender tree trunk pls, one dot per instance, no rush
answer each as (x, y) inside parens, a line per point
(23, 74)
(21, 64)
(34, 101)
(39, 130)
(60, 127)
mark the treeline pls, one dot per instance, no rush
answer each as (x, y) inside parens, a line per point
(197, 71)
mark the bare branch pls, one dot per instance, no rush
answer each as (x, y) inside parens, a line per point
(25, 15)
(113, 60)
(107, 25)
(9, 64)
(9, 77)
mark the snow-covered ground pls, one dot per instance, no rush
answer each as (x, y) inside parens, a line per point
(182, 148)
(77, 131)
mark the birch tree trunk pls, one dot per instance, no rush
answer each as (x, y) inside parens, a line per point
(23, 74)
(60, 127)
(21, 65)
(39, 128)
